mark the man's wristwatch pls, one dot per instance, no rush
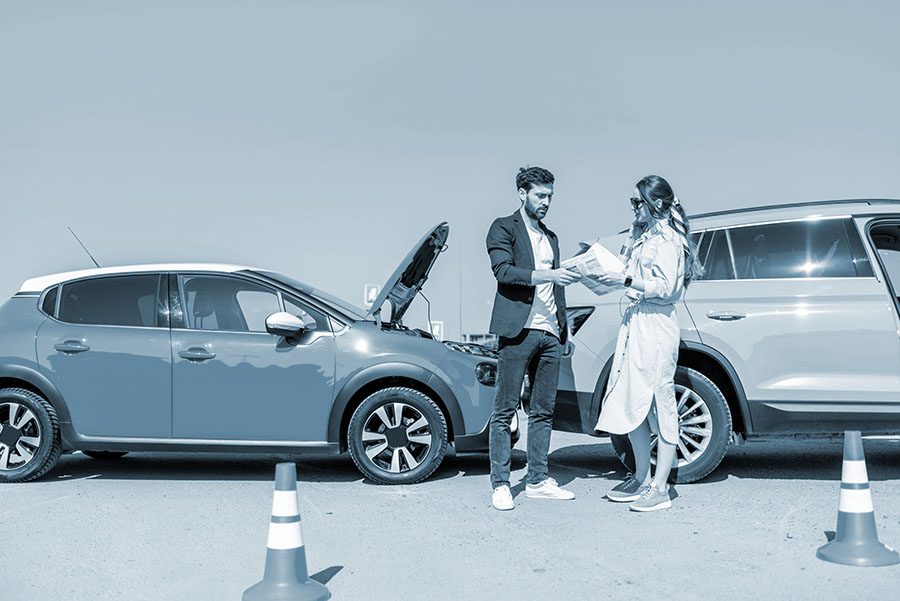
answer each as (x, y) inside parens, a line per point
(627, 281)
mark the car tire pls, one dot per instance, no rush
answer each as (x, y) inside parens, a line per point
(392, 449)
(713, 408)
(29, 435)
(105, 455)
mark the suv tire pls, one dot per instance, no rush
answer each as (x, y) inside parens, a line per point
(714, 407)
(397, 449)
(29, 435)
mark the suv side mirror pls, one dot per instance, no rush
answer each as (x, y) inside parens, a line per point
(284, 324)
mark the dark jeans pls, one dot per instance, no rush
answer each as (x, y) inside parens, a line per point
(538, 352)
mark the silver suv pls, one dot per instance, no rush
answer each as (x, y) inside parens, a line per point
(792, 330)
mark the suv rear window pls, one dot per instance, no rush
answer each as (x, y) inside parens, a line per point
(799, 249)
(113, 301)
(49, 304)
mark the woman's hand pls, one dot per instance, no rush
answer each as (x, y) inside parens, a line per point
(637, 229)
(611, 278)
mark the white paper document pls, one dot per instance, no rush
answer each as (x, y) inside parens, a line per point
(594, 260)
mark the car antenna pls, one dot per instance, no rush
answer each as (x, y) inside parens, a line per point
(84, 247)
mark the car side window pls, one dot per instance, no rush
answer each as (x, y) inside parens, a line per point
(48, 306)
(128, 300)
(798, 249)
(717, 260)
(227, 303)
(313, 319)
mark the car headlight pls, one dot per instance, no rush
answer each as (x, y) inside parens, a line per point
(470, 348)
(486, 373)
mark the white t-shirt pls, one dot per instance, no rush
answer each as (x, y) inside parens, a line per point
(543, 307)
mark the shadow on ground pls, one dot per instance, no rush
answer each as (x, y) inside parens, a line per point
(769, 460)
(781, 460)
(203, 466)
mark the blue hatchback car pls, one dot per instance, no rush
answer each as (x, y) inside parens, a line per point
(199, 357)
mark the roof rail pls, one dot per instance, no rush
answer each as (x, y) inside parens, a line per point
(811, 203)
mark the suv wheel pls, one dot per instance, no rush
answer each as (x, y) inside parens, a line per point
(29, 435)
(397, 436)
(704, 429)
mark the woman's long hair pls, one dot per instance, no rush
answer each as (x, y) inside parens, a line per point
(654, 187)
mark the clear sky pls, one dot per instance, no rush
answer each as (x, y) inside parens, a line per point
(322, 139)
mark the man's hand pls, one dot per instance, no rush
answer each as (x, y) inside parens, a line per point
(559, 277)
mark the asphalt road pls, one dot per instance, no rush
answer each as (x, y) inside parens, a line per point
(170, 527)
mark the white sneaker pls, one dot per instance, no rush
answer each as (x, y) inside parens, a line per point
(502, 499)
(548, 489)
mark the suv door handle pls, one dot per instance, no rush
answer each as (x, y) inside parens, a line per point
(196, 354)
(726, 315)
(71, 346)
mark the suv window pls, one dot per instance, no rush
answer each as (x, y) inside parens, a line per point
(49, 304)
(715, 257)
(799, 249)
(313, 319)
(227, 303)
(114, 301)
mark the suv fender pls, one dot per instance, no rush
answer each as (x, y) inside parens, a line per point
(425, 379)
(733, 379)
(40, 384)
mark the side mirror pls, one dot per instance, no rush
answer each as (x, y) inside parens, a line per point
(284, 324)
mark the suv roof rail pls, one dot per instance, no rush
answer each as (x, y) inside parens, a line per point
(791, 205)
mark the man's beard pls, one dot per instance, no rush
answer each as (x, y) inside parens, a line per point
(533, 213)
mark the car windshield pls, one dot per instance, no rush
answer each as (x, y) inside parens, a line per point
(348, 308)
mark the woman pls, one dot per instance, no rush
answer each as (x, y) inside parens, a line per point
(660, 264)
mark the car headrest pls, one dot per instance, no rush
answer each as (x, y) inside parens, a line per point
(203, 305)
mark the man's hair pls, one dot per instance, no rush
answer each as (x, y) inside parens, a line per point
(531, 176)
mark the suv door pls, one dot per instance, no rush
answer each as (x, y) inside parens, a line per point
(105, 346)
(796, 310)
(232, 380)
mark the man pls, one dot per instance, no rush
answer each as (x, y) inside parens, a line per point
(530, 318)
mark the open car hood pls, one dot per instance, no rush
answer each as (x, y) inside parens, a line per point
(410, 275)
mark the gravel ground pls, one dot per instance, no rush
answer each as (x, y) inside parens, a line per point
(161, 527)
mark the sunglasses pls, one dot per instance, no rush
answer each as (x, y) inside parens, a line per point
(636, 202)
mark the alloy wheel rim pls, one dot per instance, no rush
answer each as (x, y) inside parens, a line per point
(694, 427)
(396, 437)
(20, 436)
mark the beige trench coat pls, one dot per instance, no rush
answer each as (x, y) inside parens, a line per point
(643, 368)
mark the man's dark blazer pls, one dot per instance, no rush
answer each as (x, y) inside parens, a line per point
(512, 261)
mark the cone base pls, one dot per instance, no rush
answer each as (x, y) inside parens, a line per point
(871, 554)
(295, 591)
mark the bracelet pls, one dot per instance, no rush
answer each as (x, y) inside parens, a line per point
(627, 282)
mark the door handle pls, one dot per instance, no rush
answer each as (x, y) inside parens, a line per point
(196, 354)
(71, 346)
(726, 315)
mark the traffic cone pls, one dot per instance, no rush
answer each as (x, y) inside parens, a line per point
(856, 540)
(286, 577)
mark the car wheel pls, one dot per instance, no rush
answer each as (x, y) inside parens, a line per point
(397, 436)
(105, 455)
(29, 435)
(704, 429)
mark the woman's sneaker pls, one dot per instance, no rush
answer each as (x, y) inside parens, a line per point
(652, 499)
(502, 499)
(627, 490)
(548, 489)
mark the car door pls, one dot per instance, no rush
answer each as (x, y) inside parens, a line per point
(106, 349)
(795, 308)
(232, 380)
